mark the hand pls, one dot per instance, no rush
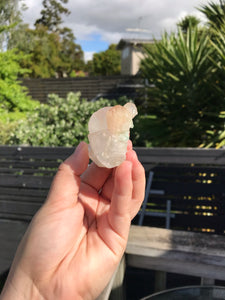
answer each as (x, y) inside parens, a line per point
(76, 240)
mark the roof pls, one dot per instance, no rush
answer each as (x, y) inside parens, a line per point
(133, 42)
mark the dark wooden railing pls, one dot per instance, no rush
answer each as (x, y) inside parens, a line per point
(193, 179)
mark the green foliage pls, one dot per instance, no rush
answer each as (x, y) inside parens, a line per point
(50, 50)
(13, 97)
(182, 99)
(215, 13)
(44, 48)
(51, 54)
(6, 128)
(51, 14)
(66, 56)
(10, 16)
(145, 127)
(187, 22)
(107, 62)
(218, 60)
(60, 122)
(71, 54)
(215, 138)
(187, 72)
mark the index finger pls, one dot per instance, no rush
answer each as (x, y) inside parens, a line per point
(95, 176)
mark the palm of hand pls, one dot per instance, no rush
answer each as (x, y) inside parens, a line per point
(80, 233)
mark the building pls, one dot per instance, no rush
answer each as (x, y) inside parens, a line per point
(132, 53)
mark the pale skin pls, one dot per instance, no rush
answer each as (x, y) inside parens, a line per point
(77, 239)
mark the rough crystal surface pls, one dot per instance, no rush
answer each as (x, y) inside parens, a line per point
(109, 130)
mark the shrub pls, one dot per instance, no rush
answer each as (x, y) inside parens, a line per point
(6, 128)
(13, 96)
(183, 98)
(60, 122)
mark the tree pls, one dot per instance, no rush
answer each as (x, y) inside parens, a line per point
(13, 96)
(10, 17)
(215, 14)
(52, 48)
(71, 53)
(187, 22)
(183, 98)
(51, 14)
(44, 49)
(107, 62)
(51, 54)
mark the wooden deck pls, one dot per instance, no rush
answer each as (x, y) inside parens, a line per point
(171, 251)
(175, 251)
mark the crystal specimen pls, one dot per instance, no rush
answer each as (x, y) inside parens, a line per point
(109, 129)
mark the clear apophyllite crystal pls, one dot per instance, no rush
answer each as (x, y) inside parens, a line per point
(109, 129)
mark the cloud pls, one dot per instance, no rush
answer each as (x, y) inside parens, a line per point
(88, 55)
(32, 12)
(110, 19)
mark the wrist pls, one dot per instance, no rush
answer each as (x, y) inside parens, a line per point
(19, 286)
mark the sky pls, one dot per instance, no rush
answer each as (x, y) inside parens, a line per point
(98, 23)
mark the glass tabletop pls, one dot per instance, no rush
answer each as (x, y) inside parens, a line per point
(190, 293)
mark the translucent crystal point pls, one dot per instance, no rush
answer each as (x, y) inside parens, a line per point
(109, 130)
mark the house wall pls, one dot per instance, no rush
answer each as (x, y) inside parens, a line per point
(137, 56)
(130, 60)
(126, 61)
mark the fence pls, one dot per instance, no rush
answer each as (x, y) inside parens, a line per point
(194, 182)
(192, 179)
(109, 87)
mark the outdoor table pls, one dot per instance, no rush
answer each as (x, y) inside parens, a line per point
(190, 293)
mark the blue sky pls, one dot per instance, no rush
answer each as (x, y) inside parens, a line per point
(98, 23)
(92, 45)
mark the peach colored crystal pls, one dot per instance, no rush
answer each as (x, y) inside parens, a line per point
(109, 130)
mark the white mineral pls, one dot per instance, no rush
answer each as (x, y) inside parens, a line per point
(109, 130)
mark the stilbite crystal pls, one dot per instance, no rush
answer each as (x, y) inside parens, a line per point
(109, 129)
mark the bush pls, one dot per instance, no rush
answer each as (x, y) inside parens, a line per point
(145, 127)
(60, 122)
(183, 98)
(6, 128)
(13, 96)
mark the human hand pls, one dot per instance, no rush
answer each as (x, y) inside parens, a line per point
(76, 240)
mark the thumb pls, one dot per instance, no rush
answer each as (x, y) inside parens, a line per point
(65, 186)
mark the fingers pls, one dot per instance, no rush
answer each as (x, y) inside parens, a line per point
(129, 145)
(138, 179)
(119, 213)
(128, 193)
(65, 186)
(95, 176)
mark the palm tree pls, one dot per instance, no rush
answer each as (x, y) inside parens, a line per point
(215, 14)
(187, 22)
(180, 70)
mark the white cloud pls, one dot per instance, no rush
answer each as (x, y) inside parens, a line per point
(33, 10)
(88, 55)
(109, 19)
